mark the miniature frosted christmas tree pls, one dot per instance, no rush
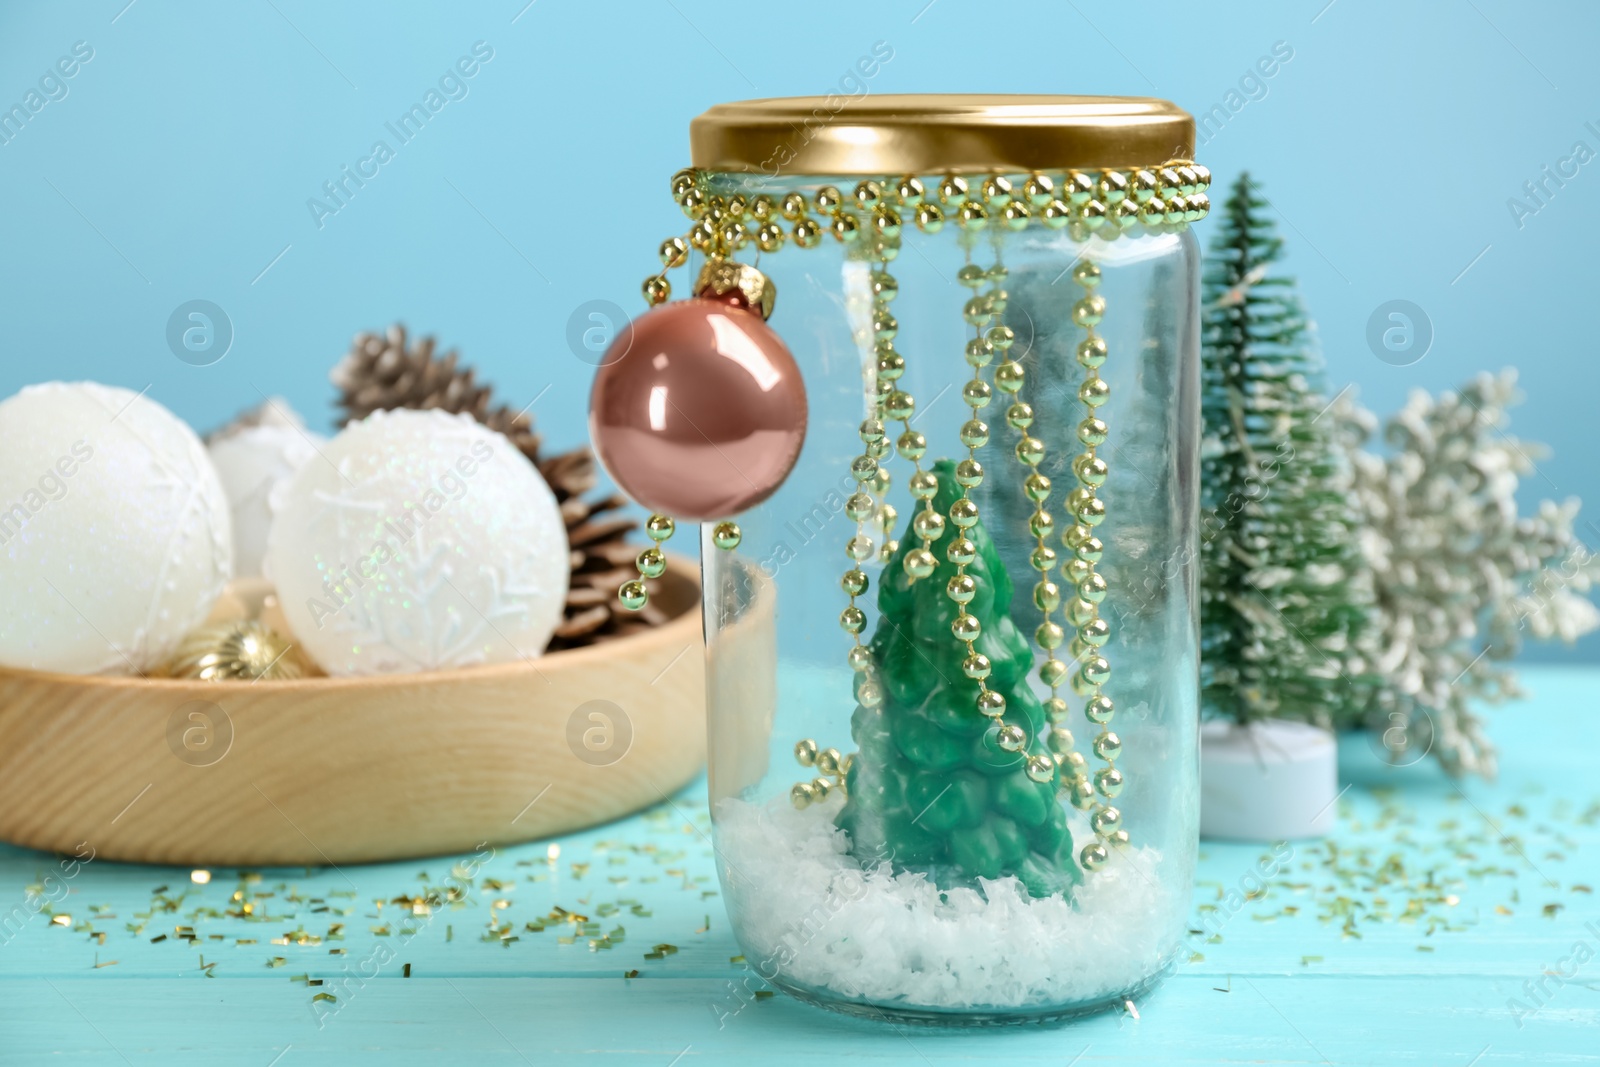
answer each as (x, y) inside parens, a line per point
(930, 787)
(1280, 599)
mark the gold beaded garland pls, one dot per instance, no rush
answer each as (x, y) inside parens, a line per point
(869, 222)
(633, 595)
(962, 588)
(833, 773)
(657, 290)
(868, 469)
(1086, 507)
(1010, 378)
(1168, 196)
(650, 563)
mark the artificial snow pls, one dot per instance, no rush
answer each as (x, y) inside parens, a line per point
(809, 914)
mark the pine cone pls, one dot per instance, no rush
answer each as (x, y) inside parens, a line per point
(274, 411)
(381, 372)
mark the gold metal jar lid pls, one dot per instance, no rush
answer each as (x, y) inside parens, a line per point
(939, 134)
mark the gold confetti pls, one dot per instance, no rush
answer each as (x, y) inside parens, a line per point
(61, 920)
(200, 877)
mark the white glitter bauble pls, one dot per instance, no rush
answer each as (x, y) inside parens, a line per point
(252, 461)
(425, 541)
(114, 539)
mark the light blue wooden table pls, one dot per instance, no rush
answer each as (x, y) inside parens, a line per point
(1436, 926)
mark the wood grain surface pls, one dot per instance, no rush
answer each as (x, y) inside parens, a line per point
(345, 770)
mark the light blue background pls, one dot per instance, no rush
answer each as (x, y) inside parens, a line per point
(180, 162)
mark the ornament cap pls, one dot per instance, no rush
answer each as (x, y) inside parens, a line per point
(737, 283)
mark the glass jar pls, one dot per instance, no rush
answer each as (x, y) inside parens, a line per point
(952, 661)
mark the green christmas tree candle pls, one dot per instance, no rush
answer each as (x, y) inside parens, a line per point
(932, 787)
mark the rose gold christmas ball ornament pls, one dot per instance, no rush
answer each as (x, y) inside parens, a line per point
(698, 409)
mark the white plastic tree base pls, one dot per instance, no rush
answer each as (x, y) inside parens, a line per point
(1269, 781)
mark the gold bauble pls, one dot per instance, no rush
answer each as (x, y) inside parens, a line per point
(243, 650)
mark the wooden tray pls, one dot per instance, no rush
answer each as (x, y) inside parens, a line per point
(348, 770)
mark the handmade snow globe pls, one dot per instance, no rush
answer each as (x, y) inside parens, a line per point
(933, 398)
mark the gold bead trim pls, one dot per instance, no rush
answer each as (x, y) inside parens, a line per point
(869, 222)
(1087, 587)
(652, 562)
(833, 773)
(981, 309)
(867, 505)
(1163, 198)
